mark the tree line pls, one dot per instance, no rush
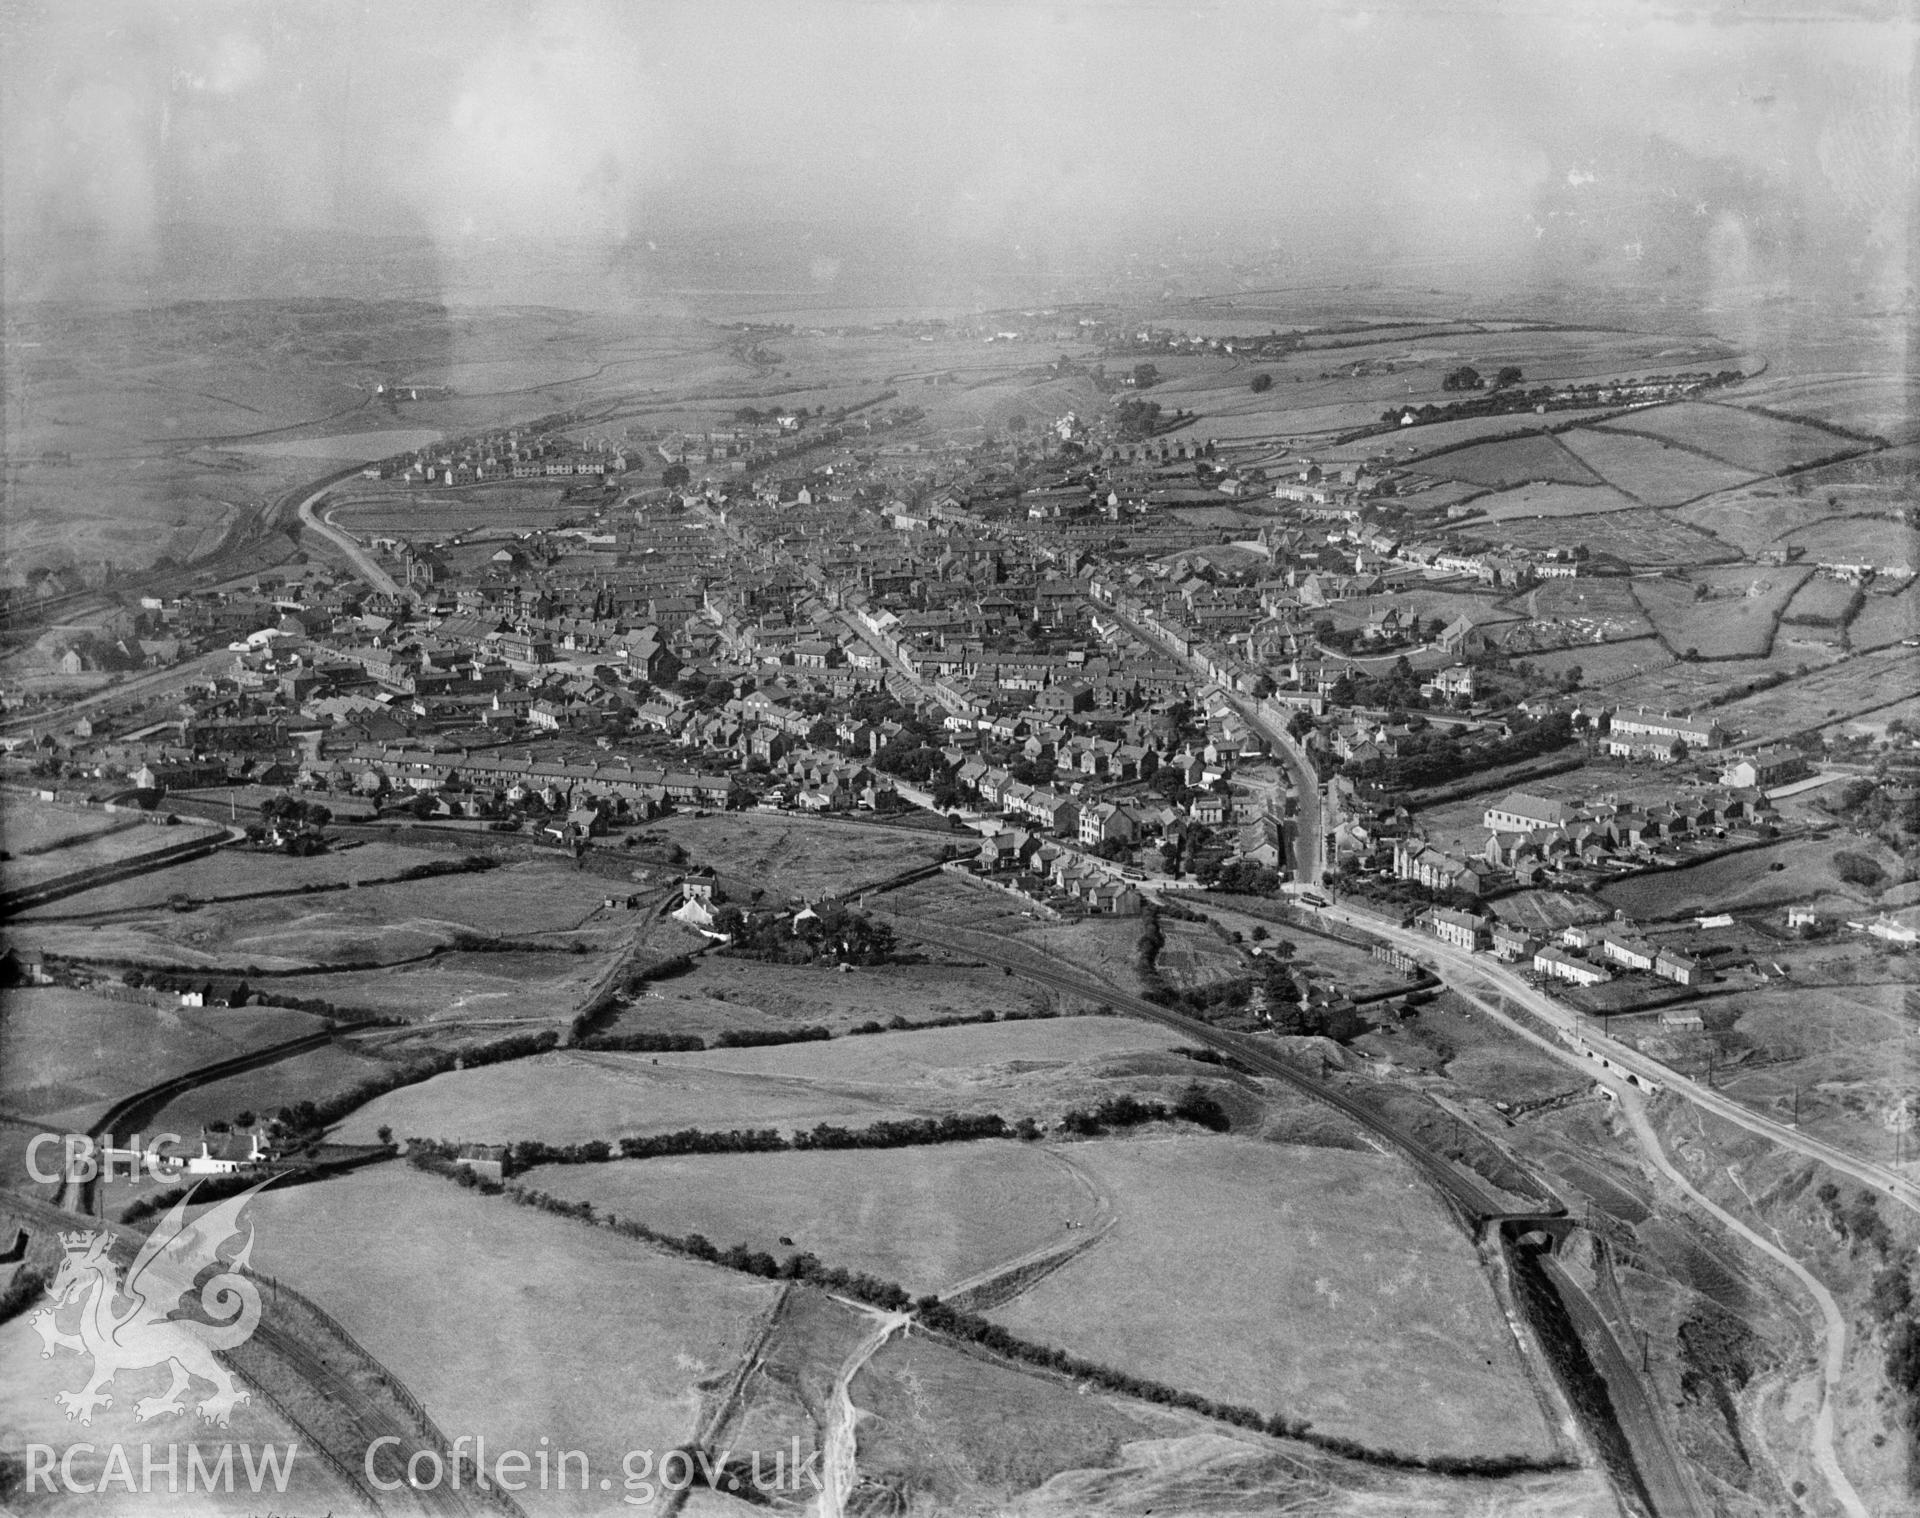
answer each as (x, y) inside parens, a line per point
(970, 1328)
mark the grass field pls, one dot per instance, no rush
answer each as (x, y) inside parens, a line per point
(611, 1344)
(1890, 547)
(1744, 439)
(1553, 500)
(794, 857)
(304, 1077)
(1829, 694)
(1367, 1315)
(720, 993)
(1513, 461)
(71, 1053)
(1641, 539)
(1015, 1069)
(30, 827)
(102, 847)
(1885, 619)
(929, 1218)
(1888, 405)
(1736, 618)
(1600, 664)
(239, 872)
(1649, 470)
(1823, 602)
(1742, 882)
(463, 987)
(367, 924)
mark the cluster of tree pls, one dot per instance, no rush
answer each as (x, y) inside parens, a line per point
(1398, 689)
(212, 1189)
(1195, 1105)
(1135, 418)
(832, 933)
(1242, 876)
(465, 864)
(1434, 757)
(1260, 383)
(1859, 869)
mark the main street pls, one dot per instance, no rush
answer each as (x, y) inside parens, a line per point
(1309, 826)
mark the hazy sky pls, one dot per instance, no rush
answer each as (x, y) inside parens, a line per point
(1745, 145)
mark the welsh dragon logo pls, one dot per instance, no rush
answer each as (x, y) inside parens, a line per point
(135, 1325)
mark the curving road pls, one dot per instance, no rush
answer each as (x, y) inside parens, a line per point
(1478, 969)
(1635, 1406)
(364, 564)
(1462, 974)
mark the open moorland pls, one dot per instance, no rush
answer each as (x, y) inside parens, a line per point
(929, 1218)
(1367, 1303)
(613, 1344)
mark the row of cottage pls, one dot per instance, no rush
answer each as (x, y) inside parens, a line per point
(1601, 947)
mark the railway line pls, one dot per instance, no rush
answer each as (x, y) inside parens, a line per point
(1656, 1461)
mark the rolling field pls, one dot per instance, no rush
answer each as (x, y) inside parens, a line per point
(928, 1218)
(463, 987)
(1742, 882)
(1735, 620)
(71, 1053)
(94, 849)
(1648, 470)
(1885, 619)
(1601, 664)
(303, 1077)
(1553, 500)
(1840, 690)
(1890, 547)
(32, 827)
(792, 857)
(1515, 461)
(1014, 1069)
(1888, 405)
(721, 993)
(1744, 439)
(567, 1098)
(1823, 602)
(238, 872)
(611, 1344)
(1640, 539)
(1368, 1315)
(365, 925)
